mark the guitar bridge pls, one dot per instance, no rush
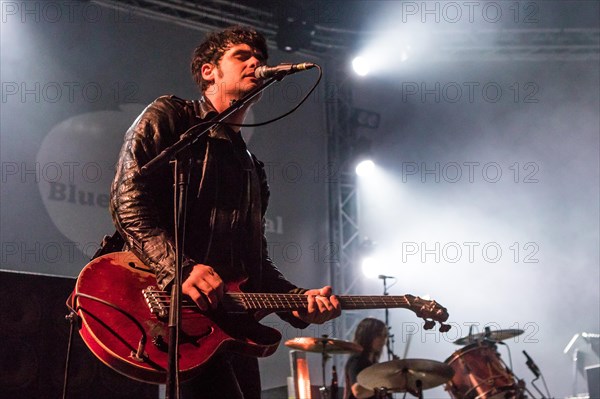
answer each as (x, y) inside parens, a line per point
(155, 302)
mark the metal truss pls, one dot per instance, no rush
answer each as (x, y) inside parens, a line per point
(344, 229)
(204, 15)
(522, 45)
(344, 232)
(528, 44)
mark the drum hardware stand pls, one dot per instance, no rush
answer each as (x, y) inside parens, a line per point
(419, 384)
(381, 393)
(521, 387)
(536, 371)
(334, 390)
(324, 358)
(408, 340)
(471, 330)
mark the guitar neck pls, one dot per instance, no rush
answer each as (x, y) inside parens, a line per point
(242, 302)
(374, 302)
(287, 302)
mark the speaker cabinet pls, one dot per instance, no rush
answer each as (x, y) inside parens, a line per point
(34, 336)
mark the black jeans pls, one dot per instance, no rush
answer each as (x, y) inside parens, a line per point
(225, 376)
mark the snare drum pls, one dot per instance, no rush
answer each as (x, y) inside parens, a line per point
(479, 373)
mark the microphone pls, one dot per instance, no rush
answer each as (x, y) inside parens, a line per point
(532, 366)
(266, 71)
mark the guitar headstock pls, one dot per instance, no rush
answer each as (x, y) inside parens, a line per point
(430, 311)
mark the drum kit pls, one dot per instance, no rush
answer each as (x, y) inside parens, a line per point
(475, 371)
(480, 372)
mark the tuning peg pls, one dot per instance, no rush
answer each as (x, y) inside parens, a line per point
(445, 327)
(429, 324)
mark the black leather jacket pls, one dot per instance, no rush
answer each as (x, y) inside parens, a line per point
(227, 199)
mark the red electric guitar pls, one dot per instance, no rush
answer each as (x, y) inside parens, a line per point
(124, 319)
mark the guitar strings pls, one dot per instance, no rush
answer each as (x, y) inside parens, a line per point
(252, 301)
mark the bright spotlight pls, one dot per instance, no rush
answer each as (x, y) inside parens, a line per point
(365, 168)
(369, 267)
(361, 66)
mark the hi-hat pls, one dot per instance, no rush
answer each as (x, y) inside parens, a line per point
(406, 375)
(323, 345)
(497, 335)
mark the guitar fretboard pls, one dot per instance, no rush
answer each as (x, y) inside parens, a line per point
(285, 302)
(242, 302)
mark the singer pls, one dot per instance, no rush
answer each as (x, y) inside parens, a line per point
(372, 335)
(226, 205)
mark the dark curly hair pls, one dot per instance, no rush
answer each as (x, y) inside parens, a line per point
(216, 44)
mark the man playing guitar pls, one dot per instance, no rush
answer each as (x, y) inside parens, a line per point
(226, 204)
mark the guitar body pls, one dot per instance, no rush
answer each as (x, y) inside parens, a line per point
(124, 319)
(119, 278)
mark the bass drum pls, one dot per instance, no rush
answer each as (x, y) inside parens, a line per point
(479, 373)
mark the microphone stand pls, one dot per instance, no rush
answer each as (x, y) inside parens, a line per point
(181, 179)
(390, 340)
(192, 135)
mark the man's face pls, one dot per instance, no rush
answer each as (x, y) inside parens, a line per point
(234, 74)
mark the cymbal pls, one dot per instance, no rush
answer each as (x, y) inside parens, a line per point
(402, 375)
(497, 335)
(323, 345)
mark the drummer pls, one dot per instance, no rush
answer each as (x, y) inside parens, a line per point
(372, 335)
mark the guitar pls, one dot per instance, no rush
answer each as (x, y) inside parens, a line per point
(124, 319)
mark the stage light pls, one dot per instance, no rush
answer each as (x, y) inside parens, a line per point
(361, 66)
(365, 118)
(369, 267)
(405, 53)
(365, 168)
(369, 263)
(361, 157)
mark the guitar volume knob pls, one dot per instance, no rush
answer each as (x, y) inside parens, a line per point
(160, 343)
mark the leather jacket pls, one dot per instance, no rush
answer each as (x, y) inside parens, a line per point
(227, 199)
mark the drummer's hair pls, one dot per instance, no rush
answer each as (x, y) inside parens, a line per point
(366, 331)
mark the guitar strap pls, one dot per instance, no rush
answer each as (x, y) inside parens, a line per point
(110, 244)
